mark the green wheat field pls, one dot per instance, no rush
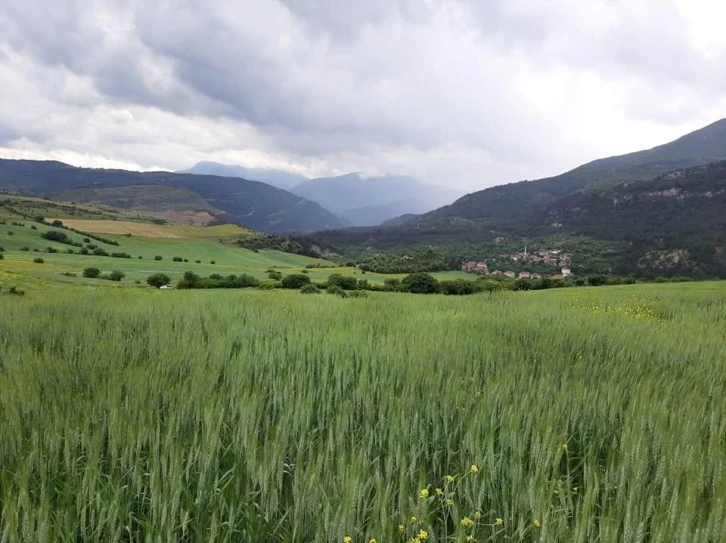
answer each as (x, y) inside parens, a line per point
(583, 414)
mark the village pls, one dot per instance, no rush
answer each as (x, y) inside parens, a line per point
(553, 258)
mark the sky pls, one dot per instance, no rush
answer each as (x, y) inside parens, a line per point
(461, 93)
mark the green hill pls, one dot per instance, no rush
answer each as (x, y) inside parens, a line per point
(140, 197)
(251, 203)
(662, 223)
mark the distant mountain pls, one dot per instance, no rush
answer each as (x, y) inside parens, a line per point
(368, 201)
(277, 178)
(665, 209)
(253, 204)
(139, 197)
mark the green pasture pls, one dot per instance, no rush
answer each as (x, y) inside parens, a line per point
(584, 414)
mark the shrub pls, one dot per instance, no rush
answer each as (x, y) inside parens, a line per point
(310, 289)
(84, 251)
(86, 240)
(141, 257)
(358, 294)
(178, 259)
(420, 283)
(212, 261)
(158, 257)
(25, 248)
(38, 260)
(100, 252)
(158, 280)
(10, 233)
(346, 282)
(57, 223)
(116, 275)
(274, 275)
(392, 285)
(458, 287)
(2, 256)
(197, 261)
(296, 280)
(91, 273)
(120, 255)
(33, 227)
(335, 289)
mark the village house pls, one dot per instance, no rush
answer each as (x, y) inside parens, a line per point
(497, 273)
(566, 272)
(525, 275)
(536, 276)
(475, 267)
(510, 274)
(558, 276)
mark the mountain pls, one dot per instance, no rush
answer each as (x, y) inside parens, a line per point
(254, 204)
(659, 211)
(277, 178)
(368, 201)
(507, 201)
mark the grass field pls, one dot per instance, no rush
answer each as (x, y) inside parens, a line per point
(561, 415)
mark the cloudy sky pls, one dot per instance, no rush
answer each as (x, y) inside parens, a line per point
(465, 93)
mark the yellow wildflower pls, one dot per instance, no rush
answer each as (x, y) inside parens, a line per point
(498, 522)
(536, 523)
(574, 489)
(470, 538)
(374, 540)
(439, 492)
(424, 493)
(347, 539)
(477, 515)
(450, 478)
(466, 522)
(449, 502)
(401, 528)
(414, 520)
(474, 468)
(422, 534)
(564, 447)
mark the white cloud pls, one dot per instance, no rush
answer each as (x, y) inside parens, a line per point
(459, 92)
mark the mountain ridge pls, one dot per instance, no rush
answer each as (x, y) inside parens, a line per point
(252, 203)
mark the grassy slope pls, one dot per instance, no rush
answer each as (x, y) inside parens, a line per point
(192, 243)
(224, 415)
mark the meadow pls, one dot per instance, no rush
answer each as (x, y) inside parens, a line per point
(565, 415)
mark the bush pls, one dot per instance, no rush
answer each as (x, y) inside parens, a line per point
(116, 275)
(158, 257)
(38, 260)
(420, 283)
(392, 285)
(458, 287)
(346, 282)
(310, 289)
(84, 251)
(2, 256)
(197, 261)
(57, 223)
(86, 240)
(91, 273)
(100, 252)
(33, 227)
(24, 248)
(178, 259)
(274, 275)
(158, 280)
(296, 280)
(335, 289)
(120, 255)
(212, 261)
(358, 294)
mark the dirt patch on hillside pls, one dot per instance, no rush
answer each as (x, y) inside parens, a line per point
(120, 227)
(194, 218)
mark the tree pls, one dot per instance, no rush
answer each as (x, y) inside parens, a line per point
(420, 283)
(158, 280)
(91, 273)
(296, 280)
